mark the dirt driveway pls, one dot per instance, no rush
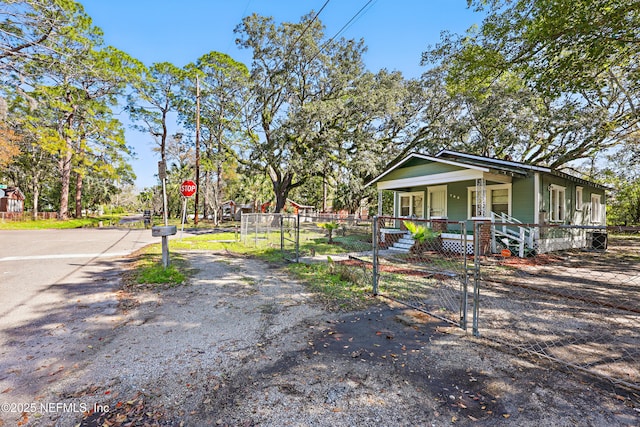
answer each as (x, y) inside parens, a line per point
(243, 344)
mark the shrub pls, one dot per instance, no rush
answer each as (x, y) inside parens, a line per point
(329, 226)
(420, 233)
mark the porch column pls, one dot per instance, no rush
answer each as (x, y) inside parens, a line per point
(481, 198)
(379, 202)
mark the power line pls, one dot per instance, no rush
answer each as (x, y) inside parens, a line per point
(351, 21)
(244, 13)
(280, 60)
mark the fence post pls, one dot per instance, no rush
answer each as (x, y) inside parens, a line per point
(464, 301)
(282, 235)
(375, 254)
(298, 237)
(477, 231)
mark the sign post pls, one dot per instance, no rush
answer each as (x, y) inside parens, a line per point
(187, 189)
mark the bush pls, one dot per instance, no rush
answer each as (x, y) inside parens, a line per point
(329, 226)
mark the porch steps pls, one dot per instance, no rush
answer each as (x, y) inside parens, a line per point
(403, 245)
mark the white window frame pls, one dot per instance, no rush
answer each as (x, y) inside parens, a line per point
(411, 209)
(579, 202)
(596, 208)
(557, 199)
(435, 189)
(490, 188)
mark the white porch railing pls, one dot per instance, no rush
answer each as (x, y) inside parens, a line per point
(507, 230)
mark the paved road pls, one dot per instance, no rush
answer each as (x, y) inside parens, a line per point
(33, 262)
(58, 301)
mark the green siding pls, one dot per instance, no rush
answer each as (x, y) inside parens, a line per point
(523, 200)
(523, 197)
(457, 200)
(427, 168)
(572, 216)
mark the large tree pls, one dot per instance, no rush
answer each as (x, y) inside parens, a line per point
(570, 67)
(82, 88)
(156, 96)
(55, 59)
(299, 84)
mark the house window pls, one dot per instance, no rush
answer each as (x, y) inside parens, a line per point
(578, 198)
(405, 205)
(498, 199)
(412, 204)
(558, 202)
(596, 209)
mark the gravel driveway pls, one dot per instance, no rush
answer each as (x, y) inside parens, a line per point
(243, 344)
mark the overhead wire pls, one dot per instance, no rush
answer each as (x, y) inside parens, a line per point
(281, 59)
(244, 13)
(351, 21)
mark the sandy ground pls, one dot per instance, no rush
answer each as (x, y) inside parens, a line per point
(243, 344)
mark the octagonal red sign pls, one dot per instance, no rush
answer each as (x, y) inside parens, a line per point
(188, 188)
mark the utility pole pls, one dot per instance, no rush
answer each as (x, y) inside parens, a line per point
(195, 218)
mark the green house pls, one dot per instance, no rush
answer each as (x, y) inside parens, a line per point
(456, 186)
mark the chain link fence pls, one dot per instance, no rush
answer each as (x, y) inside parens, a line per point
(261, 229)
(423, 264)
(329, 234)
(308, 236)
(567, 294)
(573, 297)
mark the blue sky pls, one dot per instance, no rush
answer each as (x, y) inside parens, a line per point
(396, 33)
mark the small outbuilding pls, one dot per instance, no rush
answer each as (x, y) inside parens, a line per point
(11, 200)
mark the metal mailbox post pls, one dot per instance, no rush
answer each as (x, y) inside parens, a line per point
(164, 231)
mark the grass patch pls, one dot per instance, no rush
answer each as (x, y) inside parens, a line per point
(226, 242)
(148, 270)
(157, 274)
(44, 224)
(335, 288)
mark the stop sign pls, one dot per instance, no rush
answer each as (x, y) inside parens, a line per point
(188, 188)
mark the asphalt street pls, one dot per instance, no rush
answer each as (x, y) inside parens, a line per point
(34, 262)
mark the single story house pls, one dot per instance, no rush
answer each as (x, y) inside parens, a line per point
(455, 186)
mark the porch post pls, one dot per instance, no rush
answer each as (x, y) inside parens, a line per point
(481, 198)
(379, 202)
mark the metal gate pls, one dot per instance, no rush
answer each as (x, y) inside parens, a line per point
(290, 237)
(423, 264)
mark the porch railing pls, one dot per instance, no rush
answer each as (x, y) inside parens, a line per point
(511, 233)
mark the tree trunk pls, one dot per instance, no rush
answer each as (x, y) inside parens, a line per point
(35, 189)
(65, 162)
(79, 195)
(65, 180)
(281, 187)
(206, 202)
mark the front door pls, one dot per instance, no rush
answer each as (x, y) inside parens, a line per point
(437, 201)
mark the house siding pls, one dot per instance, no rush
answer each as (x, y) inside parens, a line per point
(572, 215)
(523, 200)
(426, 168)
(531, 193)
(457, 200)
